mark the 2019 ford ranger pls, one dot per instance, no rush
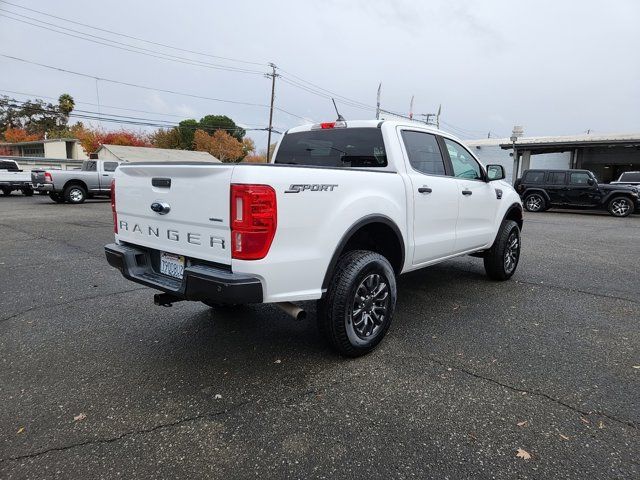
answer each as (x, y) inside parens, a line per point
(342, 209)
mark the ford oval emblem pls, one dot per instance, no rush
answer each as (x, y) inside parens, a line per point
(160, 208)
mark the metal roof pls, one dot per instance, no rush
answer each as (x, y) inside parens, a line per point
(150, 154)
(50, 140)
(574, 140)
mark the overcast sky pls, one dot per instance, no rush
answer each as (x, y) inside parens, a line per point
(555, 67)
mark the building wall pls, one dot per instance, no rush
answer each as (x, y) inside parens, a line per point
(558, 161)
(55, 149)
(78, 152)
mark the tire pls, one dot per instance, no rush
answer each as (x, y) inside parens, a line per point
(359, 275)
(56, 197)
(6, 191)
(620, 206)
(75, 194)
(27, 192)
(501, 260)
(535, 202)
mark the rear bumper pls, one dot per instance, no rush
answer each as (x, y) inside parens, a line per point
(200, 282)
(43, 187)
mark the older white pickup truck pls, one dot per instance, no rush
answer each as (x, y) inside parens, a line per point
(343, 209)
(13, 178)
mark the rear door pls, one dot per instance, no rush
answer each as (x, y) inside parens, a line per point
(556, 187)
(194, 220)
(435, 197)
(478, 199)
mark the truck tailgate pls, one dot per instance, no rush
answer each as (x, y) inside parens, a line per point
(195, 218)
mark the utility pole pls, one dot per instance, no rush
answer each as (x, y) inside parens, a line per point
(273, 76)
(378, 102)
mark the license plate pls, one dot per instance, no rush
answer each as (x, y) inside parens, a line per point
(172, 265)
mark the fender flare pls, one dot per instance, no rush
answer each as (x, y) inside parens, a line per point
(536, 190)
(367, 220)
(615, 193)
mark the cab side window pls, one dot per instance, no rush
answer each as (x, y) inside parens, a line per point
(424, 152)
(556, 178)
(464, 165)
(110, 166)
(579, 178)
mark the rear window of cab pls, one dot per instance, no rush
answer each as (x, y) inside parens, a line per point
(334, 147)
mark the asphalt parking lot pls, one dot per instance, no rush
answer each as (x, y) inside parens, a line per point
(97, 382)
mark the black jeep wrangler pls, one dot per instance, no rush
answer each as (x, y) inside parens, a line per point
(543, 189)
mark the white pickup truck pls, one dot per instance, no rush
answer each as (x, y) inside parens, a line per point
(343, 209)
(13, 178)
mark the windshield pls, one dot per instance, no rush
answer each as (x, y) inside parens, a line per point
(630, 177)
(338, 147)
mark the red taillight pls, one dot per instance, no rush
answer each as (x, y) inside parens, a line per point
(113, 206)
(253, 220)
(327, 125)
(48, 177)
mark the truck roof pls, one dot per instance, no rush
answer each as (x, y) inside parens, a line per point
(374, 124)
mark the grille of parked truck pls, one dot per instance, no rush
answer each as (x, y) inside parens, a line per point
(342, 209)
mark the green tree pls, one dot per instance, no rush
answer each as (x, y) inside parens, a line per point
(211, 123)
(36, 117)
(186, 129)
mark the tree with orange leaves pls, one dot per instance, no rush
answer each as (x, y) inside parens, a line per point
(220, 144)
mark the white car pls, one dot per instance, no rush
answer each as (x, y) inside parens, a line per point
(343, 209)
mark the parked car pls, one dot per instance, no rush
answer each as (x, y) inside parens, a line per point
(13, 178)
(75, 186)
(628, 178)
(342, 209)
(543, 189)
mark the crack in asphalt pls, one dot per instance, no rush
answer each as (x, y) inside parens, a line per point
(536, 393)
(67, 302)
(577, 290)
(162, 426)
(98, 441)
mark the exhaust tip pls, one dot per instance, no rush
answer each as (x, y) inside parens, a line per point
(292, 310)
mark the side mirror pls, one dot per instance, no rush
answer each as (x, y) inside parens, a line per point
(495, 172)
(591, 182)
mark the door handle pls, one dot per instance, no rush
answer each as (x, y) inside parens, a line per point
(105, 174)
(424, 190)
(467, 192)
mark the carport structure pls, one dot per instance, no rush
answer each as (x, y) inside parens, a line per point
(607, 156)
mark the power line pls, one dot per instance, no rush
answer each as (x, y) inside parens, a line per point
(102, 106)
(145, 87)
(138, 121)
(135, 38)
(144, 51)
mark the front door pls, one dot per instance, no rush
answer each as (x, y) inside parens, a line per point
(478, 200)
(579, 192)
(435, 197)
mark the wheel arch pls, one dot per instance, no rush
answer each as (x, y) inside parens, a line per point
(360, 234)
(75, 181)
(515, 213)
(541, 191)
